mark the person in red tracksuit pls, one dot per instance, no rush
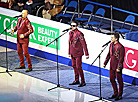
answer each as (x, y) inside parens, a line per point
(76, 46)
(116, 55)
(24, 29)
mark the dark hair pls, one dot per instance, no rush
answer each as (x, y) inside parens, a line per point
(116, 36)
(75, 22)
(47, 6)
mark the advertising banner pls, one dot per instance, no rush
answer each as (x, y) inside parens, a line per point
(42, 34)
(131, 58)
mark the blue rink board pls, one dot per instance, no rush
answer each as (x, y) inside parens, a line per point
(67, 61)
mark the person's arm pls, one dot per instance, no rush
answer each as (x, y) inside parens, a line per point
(107, 59)
(69, 46)
(19, 3)
(15, 28)
(11, 3)
(30, 28)
(121, 59)
(83, 42)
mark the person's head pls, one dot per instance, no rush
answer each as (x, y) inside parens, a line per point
(24, 13)
(74, 25)
(115, 37)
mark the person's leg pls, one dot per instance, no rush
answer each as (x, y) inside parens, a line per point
(120, 81)
(26, 53)
(113, 82)
(73, 59)
(20, 53)
(79, 68)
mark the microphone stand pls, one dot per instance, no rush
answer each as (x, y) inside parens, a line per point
(58, 85)
(5, 30)
(99, 56)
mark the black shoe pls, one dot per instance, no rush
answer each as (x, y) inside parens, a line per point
(20, 67)
(82, 84)
(29, 69)
(118, 98)
(75, 83)
(112, 97)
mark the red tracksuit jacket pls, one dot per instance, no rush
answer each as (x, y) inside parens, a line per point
(77, 44)
(24, 28)
(116, 56)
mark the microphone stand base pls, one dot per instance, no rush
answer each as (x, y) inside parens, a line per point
(58, 86)
(8, 72)
(101, 98)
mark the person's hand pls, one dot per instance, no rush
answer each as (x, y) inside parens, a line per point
(30, 1)
(104, 66)
(22, 4)
(19, 4)
(87, 57)
(118, 70)
(11, 32)
(21, 36)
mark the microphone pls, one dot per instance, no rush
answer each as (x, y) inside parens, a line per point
(106, 43)
(66, 30)
(17, 16)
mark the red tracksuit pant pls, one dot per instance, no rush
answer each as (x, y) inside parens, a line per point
(77, 65)
(113, 75)
(23, 47)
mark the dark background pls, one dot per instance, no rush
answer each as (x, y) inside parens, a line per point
(128, 5)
